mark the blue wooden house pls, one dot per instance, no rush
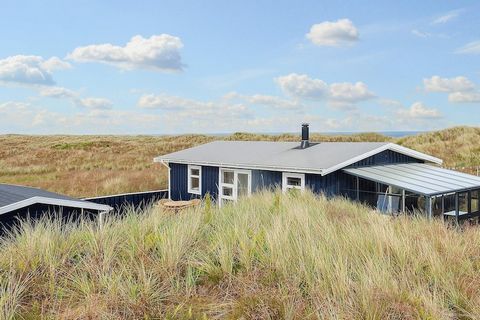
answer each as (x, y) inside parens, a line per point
(385, 175)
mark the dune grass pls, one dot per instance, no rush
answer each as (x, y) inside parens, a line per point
(271, 256)
(101, 165)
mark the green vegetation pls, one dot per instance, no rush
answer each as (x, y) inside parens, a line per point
(271, 256)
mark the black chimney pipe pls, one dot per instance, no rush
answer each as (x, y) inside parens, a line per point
(305, 136)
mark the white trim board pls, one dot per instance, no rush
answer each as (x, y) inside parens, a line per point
(286, 175)
(55, 202)
(189, 179)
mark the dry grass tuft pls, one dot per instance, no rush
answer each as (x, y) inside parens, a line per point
(270, 256)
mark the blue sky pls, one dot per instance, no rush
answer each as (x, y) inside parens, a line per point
(155, 67)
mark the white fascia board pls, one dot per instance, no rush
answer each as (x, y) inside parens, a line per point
(55, 202)
(414, 154)
(389, 146)
(242, 166)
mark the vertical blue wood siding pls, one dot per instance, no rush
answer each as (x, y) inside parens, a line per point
(210, 181)
(179, 182)
(328, 184)
(331, 184)
(386, 157)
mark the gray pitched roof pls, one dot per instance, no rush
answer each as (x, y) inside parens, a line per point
(10, 195)
(321, 157)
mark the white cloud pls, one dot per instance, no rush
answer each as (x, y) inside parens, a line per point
(302, 86)
(447, 17)
(265, 100)
(438, 84)
(11, 106)
(336, 33)
(94, 103)
(459, 89)
(232, 112)
(57, 92)
(29, 70)
(419, 111)
(209, 116)
(20, 117)
(272, 101)
(464, 97)
(167, 102)
(159, 53)
(350, 92)
(342, 96)
(75, 98)
(55, 63)
(470, 48)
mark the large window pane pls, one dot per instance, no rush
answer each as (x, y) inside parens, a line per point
(475, 200)
(228, 177)
(463, 202)
(242, 184)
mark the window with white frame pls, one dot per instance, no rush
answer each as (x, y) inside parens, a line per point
(293, 181)
(195, 179)
(234, 184)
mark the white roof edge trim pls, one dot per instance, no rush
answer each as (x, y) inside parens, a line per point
(242, 166)
(54, 202)
(389, 146)
(416, 154)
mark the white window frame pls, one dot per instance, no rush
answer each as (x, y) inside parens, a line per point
(221, 184)
(190, 176)
(286, 175)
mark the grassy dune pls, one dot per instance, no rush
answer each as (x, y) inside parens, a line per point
(271, 256)
(99, 165)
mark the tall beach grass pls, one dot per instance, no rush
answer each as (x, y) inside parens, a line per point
(271, 256)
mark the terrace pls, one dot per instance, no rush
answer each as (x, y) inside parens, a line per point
(397, 188)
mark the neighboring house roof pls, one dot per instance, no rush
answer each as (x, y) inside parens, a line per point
(418, 178)
(13, 197)
(321, 158)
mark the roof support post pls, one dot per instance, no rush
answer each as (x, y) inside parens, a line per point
(457, 213)
(428, 206)
(469, 201)
(403, 200)
(357, 181)
(101, 218)
(443, 206)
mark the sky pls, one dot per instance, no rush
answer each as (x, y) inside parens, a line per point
(171, 67)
